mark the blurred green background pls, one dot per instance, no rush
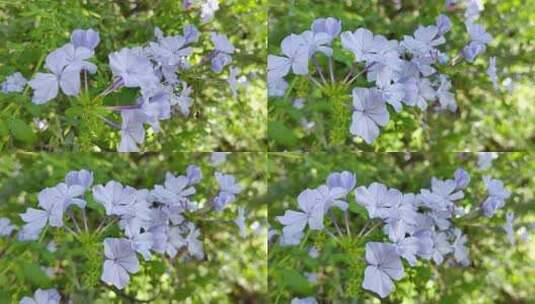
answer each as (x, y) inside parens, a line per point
(235, 270)
(30, 29)
(487, 120)
(499, 272)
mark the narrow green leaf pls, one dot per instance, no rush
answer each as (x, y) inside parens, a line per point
(22, 131)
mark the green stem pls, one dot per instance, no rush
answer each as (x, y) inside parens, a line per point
(340, 115)
(101, 229)
(350, 73)
(304, 240)
(331, 70)
(314, 81)
(71, 215)
(84, 215)
(363, 229)
(318, 68)
(335, 222)
(346, 219)
(43, 234)
(85, 81)
(359, 73)
(377, 224)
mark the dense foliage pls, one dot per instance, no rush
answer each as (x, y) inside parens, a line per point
(486, 119)
(30, 30)
(333, 271)
(232, 271)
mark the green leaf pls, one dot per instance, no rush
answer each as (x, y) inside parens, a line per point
(4, 297)
(183, 293)
(341, 258)
(33, 273)
(93, 205)
(343, 56)
(74, 112)
(22, 131)
(4, 130)
(281, 134)
(157, 267)
(358, 209)
(294, 281)
(33, 109)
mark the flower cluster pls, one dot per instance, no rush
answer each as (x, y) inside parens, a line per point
(43, 296)
(152, 221)
(403, 72)
(156, 69)
(415, 225)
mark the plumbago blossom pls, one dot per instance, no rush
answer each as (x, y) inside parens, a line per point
(401, 73)
(156, 69)
(151, 221)
(13, 83)
(6, 228)
(43, 296)
(416, 226)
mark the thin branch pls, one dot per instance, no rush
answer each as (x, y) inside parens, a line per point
(84, 216)
(331, 234)
(71, 231)
(350, 73)
(315, 81)
(123, 107)
(43, 234)
(372, 229)
(110, 122)
(346, 219)
(363, 229)
(360, 73)
(75, 222)
(331, 70)
(318, 68)
(85, 81)
(335, 222)
(101, 229)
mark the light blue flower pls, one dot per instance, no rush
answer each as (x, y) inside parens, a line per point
(441, 247)
(5, 226)
(479, 39)
(194, 174)
(425, 39)
(240, 222)
(43, 296)
(86, 38)
(133, 68)
(65, 64)
(309, 300)
(362, 43)
(330, 26)
(175, 191)
(13, 83)
(296, 53)
(369, 112)
(384, 266)
(497, 194)
(120, 260)
(312, 204)
(113, 196)
(81, 178)
(491, 72)
(132, 131)
(228, 188)
(378, 200)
